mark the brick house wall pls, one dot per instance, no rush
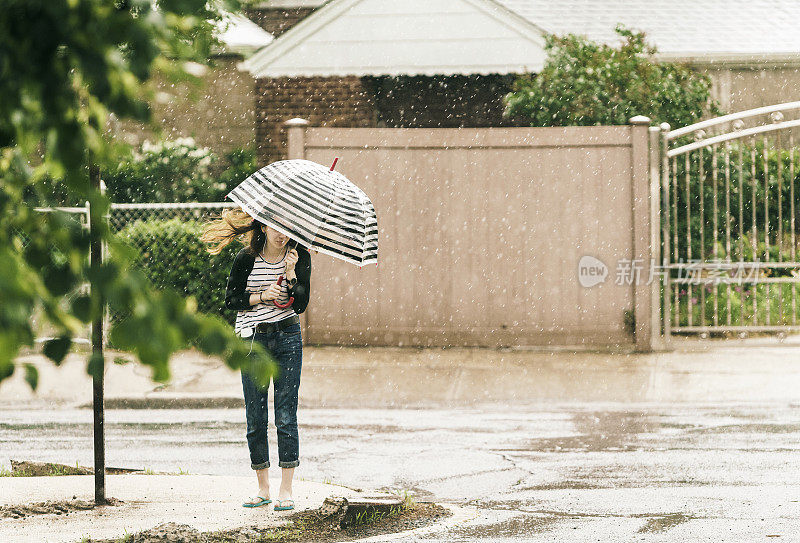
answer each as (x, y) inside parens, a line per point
(276, 21)
(343, 102)
(454, 101)
(366, 102)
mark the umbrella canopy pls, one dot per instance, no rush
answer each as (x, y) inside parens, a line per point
(319, 208)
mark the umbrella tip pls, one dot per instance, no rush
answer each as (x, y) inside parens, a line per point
(335, 160)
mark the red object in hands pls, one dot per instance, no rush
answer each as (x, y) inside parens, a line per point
(287, 304)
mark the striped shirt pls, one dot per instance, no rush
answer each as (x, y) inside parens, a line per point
(262, 274)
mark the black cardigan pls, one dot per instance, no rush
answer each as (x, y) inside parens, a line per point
(238, 298)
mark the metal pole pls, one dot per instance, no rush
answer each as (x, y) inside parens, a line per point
(656, 207)
(668, 218)
(103, 257)
(667, 225)
(96, 252)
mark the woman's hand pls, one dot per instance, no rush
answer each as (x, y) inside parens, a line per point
(291, 260)
(270, 293)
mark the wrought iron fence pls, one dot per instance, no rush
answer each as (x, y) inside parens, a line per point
(730, 187)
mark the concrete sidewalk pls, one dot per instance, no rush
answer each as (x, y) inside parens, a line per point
(204, 502)
(412, 377)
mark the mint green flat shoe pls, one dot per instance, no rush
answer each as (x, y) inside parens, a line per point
(279, 505)
(257, 502)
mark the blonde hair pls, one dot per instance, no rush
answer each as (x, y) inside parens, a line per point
(230, 225)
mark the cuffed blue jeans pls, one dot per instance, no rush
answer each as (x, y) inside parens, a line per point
(286, 346)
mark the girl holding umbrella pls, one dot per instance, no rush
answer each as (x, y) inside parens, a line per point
(287, 203)
(267, 311)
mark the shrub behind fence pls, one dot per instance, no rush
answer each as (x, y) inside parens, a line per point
(167, 240)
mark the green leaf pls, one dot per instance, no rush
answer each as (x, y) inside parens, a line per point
(101, 276)
(161, 373)
(127, 333)
(7, 368)
(57, 349)
(82, 308)
(59, 279)
(212, 342)
(96, 365)
(31, 375)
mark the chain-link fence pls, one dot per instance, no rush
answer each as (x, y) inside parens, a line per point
(166, 240)
(123, 215)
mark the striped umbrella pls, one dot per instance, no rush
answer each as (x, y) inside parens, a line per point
(316, 206)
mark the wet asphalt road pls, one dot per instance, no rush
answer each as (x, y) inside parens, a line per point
(540, 472)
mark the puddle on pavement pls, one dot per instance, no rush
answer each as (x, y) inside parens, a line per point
(562, 485)
(599, 431)
(583, 443)
(542, 520)
(662, 523)
(510, 528)
(752, 428)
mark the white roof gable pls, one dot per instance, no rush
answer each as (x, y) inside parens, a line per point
(239, 34)
(694, 30)
(408, 37)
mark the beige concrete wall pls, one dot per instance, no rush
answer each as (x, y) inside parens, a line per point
(221, 118)
(480, 234)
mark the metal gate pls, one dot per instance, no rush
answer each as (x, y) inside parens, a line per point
(728, 223)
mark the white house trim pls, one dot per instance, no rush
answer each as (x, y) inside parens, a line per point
(346, 37)
(240, 35)
(734, 60)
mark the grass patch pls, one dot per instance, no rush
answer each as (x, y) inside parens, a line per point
(151, 471)
(44, 469)
(368, 518)
(5, 472)
(303, 526)
(40, 469)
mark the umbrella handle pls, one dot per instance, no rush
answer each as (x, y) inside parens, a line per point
(287, 304)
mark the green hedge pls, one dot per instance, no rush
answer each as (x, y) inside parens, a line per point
(779, 296)
(765, 187)
(172, 256)
(584, 83)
